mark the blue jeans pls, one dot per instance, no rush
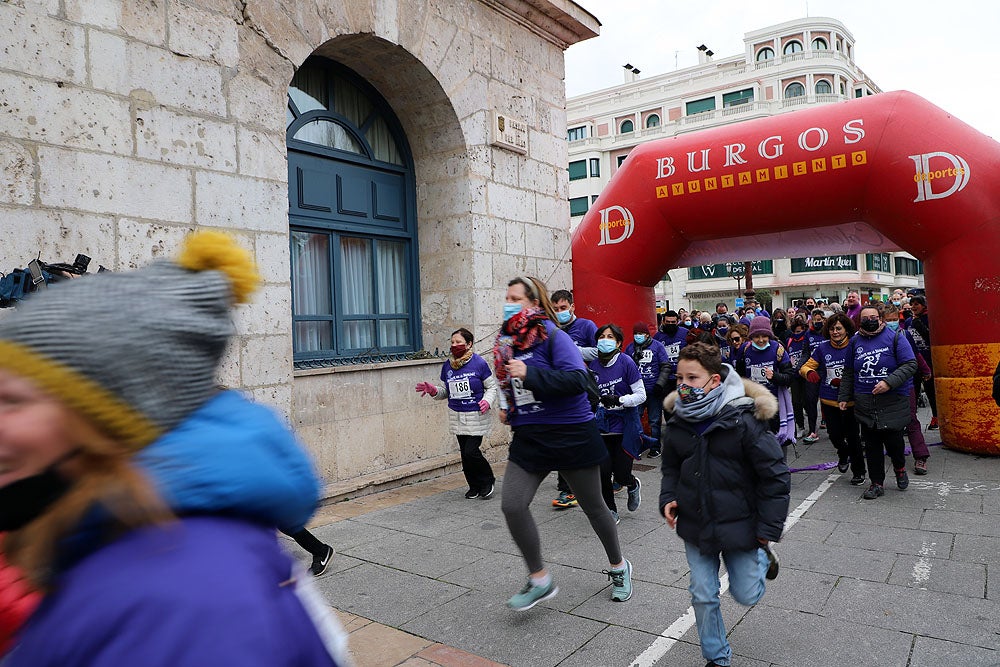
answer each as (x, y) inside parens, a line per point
(654, 410)
(746, 584)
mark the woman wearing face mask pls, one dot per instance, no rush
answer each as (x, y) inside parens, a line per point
(543, 396)
(878, 376)
(825, 368)
(146, 510)
(723, 326)
(765, 361)
(654, 368)
(914, 432)
(779, 324)
(622, 391)
(725, 487)
(471, 390)
(797, 345)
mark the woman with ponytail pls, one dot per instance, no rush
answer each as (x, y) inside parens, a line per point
(140, 499)
(544, 389)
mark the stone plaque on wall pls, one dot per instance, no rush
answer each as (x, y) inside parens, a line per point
(510, 133)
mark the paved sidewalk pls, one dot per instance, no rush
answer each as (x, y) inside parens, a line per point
(421, 576)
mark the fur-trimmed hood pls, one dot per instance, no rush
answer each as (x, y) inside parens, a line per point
(765, 405)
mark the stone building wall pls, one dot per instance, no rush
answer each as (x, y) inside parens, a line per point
(126, 124)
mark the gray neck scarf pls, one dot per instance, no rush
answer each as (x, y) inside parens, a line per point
(710, 405)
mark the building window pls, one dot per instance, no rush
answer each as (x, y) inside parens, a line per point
(577, 170)
(626, 127)
(908, 267)
(792, 47)
(352, 198)
(739, 97)
(577, 206)
(823, 87)
(595, 167)
(700, 106)
(843, 88)
(840, 45)
(819, 44)
(593, 198)
(767, 53)
(652, 120)
(621, 158)
(795, 89)
(576, 133)
(858, 92)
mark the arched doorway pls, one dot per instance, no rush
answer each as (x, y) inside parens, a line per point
(877, 174)
(352, 218)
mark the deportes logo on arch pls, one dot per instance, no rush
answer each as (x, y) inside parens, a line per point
(617, 224)
(939, 175)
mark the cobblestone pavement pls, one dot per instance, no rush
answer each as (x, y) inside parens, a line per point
(911, 579)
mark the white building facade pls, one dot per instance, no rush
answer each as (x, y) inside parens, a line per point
(783, 68)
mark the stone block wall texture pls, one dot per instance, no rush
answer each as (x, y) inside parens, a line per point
(124, 124)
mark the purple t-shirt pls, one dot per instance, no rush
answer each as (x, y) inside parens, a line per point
(831, 368)
(465, 385)
(757, 361)
(650, 360)
(797, 349)
(616, 379)
(673, 345)
(874, 359)
(558, 352)
(583, 332)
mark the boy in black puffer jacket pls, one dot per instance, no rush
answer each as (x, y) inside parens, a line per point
(725, 486)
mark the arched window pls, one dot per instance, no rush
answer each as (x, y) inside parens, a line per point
(792, 47)
(652, 120)
(626, 127)
(823, 87)
(352, 203)
(819, 44)
(767, 53)
(795, 89)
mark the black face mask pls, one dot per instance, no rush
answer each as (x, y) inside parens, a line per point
(870, 325)
(25, 500)
(817, 326)
(670, 329)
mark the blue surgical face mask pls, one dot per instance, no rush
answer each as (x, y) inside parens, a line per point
(722, 330)
(607, 346)
(564, 316)
(640, 339)
(511, 309)
(894, 325)
(762, 347)
(895, 303)
(687, 323)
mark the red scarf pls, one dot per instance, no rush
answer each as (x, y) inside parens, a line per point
(522, 331)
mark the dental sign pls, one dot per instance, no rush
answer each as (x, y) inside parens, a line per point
(946, 175)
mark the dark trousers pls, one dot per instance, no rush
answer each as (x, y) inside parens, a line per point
(845, 435)
(653, 407)
(877, 444)
(798, 389)
(478, 472)
(928, 386)
(309, 542)
(914, 433)
(561, 484)
(810, 401)
(616, 468)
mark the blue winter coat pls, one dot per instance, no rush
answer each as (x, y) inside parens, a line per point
(212, 588)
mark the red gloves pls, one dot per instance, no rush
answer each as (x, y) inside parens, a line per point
(426, 389)
(812, 376)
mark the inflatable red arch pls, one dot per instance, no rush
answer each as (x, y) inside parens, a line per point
(877, 174)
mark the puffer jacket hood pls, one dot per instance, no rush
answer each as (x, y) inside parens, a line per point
(236, 458)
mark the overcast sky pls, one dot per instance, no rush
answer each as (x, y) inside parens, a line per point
(947, 51)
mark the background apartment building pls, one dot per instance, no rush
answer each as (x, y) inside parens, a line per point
(782, 68)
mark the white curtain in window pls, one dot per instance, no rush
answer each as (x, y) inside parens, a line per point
(393, 293)
(357, 285)
(311, 289)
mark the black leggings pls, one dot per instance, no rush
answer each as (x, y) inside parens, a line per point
(616, 468)
(877, 444)
(309, 542)
(842, 428)
(519, 488)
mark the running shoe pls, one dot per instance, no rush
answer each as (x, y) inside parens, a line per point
(486, 493)
(811, 438)
(653, 453)
(843, 464)
(635, 496)
(902, 479)
(933, 426)
(565, 499)
(857, 480)
(531, 595)
(618, 519)
(472, 493)
(320, 563)
(621, 582)
(920, 466)
(874, 491)
(616, 487)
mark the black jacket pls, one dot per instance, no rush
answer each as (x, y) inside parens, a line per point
(731, 483)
